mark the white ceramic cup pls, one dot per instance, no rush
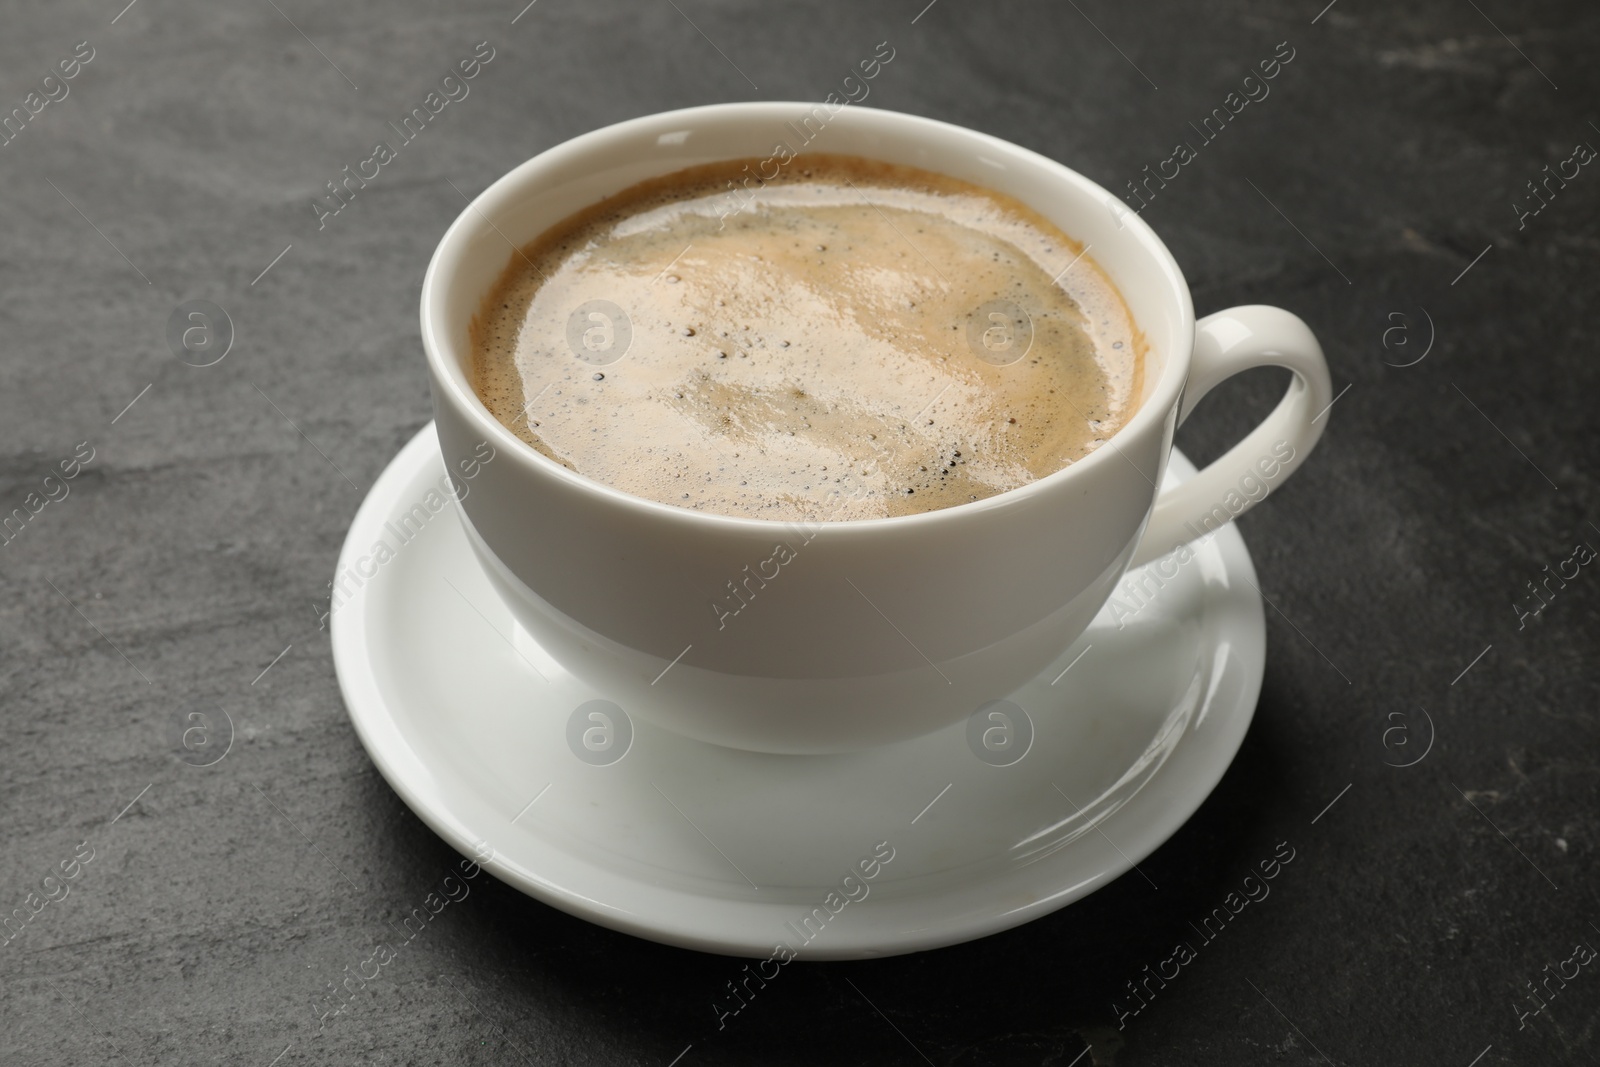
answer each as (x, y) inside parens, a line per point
(879, 629)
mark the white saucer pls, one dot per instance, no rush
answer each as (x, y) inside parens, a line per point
(726, 851)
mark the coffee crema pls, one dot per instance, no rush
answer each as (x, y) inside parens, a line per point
(855, 340)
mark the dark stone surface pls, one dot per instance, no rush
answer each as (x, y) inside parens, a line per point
(195, 547)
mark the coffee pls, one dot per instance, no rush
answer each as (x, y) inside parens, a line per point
(852, 339)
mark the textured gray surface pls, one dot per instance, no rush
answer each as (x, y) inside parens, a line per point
(195, 547)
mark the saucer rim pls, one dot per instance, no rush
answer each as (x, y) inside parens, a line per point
(407, 773)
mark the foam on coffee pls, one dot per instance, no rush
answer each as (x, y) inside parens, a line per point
(833, 346)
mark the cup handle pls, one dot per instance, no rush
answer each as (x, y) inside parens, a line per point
(1225, 344)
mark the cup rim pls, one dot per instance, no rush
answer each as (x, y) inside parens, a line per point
(449, 377)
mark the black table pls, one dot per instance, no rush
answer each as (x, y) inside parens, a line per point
(1379, 189)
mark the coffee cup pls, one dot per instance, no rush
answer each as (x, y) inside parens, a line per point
(867, 631)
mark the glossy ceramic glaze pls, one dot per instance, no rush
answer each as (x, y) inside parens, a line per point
(880, 629)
